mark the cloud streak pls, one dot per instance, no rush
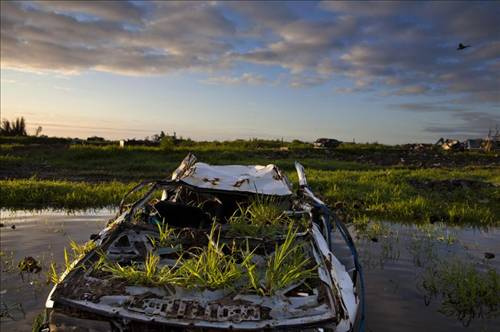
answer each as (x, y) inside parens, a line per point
(245, 78)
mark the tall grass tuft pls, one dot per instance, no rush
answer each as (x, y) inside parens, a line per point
(466, 292)
(210, 267)
(165, 236)
(287, 265)
(149, 275)
(262, 217)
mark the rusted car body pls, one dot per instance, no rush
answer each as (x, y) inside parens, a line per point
(86, 299)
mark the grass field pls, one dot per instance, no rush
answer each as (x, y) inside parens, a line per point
(360, 180)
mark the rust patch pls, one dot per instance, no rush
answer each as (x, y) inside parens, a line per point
(214, 181)
(238, 183)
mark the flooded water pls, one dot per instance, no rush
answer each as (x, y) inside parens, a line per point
(394, 268)
(44, 237)
(394, 261)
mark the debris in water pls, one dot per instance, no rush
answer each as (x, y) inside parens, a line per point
(489, 255)
(29, 264)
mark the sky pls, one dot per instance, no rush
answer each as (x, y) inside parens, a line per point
(379, 71)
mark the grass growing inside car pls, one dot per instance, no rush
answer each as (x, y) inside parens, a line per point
(78, 252)
(262, 217)
(150, 274)
(210, 267)
(287, 265)
(165, 236)
(217, 266)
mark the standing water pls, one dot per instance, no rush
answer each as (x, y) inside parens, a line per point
(400, 264)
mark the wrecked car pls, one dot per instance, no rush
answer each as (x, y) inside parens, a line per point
(450, 144)
(214, 247)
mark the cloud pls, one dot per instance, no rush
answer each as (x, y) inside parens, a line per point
(245, 78)
(470, 124)
(412, 89)
(89, 36)
(394, 48)
(375, 8)
(427, 107)
(120, 11)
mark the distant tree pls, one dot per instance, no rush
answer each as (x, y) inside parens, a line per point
(95, 139)
(162, 134)
(6, 129)
(167, 143)
(38, 131)
(156, 138)
(15, 128)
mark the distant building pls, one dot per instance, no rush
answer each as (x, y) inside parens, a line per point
(474, 144)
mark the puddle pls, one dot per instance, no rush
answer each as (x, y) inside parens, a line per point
(42, 236)
(393, 267)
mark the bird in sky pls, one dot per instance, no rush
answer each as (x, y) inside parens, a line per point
(462, 47)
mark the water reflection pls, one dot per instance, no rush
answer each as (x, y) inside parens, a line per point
(431, 276)
(396, 259)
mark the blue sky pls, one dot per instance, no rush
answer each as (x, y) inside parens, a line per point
(382, 71)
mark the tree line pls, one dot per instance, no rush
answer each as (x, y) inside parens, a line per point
(16, 128)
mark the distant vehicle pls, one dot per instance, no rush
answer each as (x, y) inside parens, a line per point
(330, 143)
(177, 263)
(462, 47)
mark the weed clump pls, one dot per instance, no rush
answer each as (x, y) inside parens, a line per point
(466, 292)
(165, 236)
(262, 217)
(218, 266)
(149, 275)
(287, 265)
(78, 252)
(210, 267)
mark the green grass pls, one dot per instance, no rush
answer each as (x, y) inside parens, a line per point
(149, 274)
(216, 267)
(378, 194)
(40, 173)
(165, 236)
(210, 267)
(262, 217)
(38, 322)
(38, 194)
(78, 252)
(287, 265)
(466, 293)
(388, 195)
